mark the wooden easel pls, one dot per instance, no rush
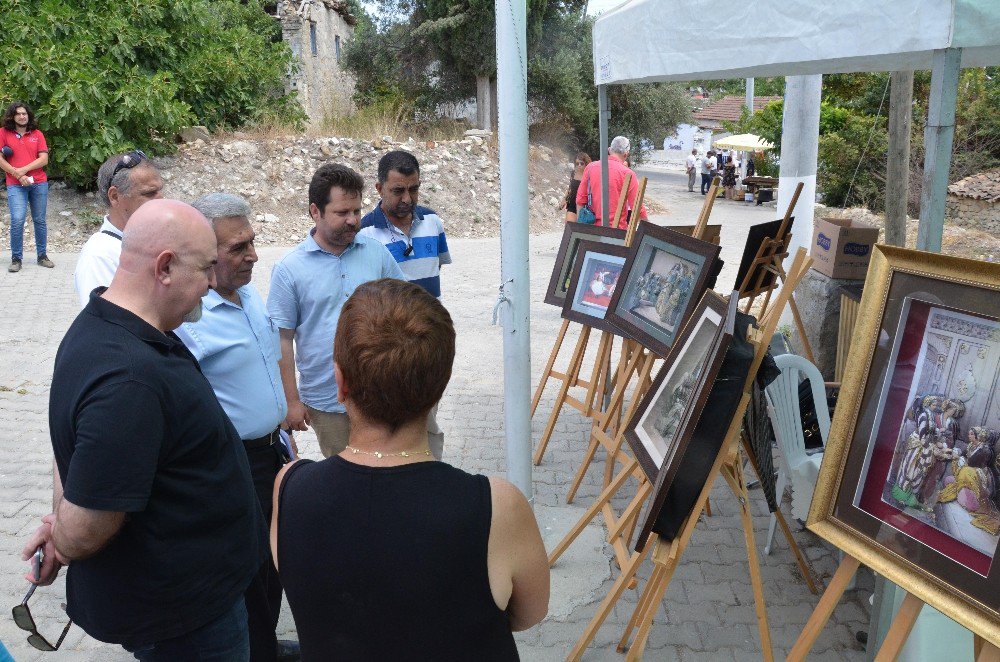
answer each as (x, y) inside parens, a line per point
(900, 629)
(598, 383)
(667, 554)
(608, 431)
(783, 523)
(770, 257)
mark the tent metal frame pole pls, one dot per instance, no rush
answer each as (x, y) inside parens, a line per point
(512, 135)
(603, 117)
(939, 136)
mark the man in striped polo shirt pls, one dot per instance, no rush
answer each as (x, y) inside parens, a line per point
(414, 235)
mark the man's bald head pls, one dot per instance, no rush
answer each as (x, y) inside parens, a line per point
(165, 225)
(167, 261)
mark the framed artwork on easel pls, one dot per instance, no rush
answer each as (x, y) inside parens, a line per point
(663, 434)
(562, 272)
(760, 277)
(596, 272)
(665, 276)
(910, 482)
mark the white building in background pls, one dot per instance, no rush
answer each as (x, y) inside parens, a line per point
(686, 138)
(317, 31)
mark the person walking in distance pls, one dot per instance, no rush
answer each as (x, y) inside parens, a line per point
(691, 168)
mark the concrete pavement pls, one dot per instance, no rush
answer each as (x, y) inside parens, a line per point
(708, 611)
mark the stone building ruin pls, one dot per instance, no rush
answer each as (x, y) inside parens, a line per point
(317, 32)
(975, 202)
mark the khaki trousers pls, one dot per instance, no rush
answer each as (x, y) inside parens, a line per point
(334, 431)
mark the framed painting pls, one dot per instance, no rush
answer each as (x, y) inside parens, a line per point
(755, 237)
(665, 275)
(713, 233)
(910, 481)
(596, 272)
(573, 234)
(663, 432)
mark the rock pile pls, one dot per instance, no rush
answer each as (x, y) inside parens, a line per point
(459, 179)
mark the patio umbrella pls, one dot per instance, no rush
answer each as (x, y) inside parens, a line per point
(744, 142)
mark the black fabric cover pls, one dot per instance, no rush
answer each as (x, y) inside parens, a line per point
(757, 429)
(709, 433)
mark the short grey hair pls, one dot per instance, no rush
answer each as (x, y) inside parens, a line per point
(122, 179)
(620, 145)
(222, 205)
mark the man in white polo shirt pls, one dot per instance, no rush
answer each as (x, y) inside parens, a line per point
(124, 183)
(414, 235)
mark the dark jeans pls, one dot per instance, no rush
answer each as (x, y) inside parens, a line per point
(19, 199)
(263, 596)
(706, 182)
(221, 640)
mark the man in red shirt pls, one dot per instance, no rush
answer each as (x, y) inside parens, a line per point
(617, 156)
(23, 156)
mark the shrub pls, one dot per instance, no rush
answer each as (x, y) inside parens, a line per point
(106, 77)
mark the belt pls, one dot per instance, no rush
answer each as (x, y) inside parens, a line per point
(261, 442)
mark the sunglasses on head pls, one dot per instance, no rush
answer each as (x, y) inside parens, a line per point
(129, 161)
(24, 620)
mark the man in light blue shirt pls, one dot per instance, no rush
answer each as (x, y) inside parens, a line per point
(238, 348)
(308, 289)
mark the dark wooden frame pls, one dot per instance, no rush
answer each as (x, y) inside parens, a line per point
(718, 305)
(663, 477)
(584, 247)
(648, 233)
(756, 236)
(554, 294)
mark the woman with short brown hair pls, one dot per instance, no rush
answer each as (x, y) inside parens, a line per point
(385, 553)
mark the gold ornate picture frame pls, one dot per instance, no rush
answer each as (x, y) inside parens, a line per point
(910, 481)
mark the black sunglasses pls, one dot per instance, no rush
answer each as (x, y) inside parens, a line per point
(129, 161)
(24, 620)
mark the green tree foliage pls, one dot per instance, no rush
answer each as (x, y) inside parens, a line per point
(394, 63)
(104, 77)
(762, 87)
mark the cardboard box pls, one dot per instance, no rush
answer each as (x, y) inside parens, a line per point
(841, 248)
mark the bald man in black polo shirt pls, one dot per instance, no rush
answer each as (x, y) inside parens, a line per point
(157, 515)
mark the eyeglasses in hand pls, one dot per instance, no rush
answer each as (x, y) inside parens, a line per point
(129, 161)
(24, 620)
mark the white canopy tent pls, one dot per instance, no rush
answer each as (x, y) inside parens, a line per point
(664, 40)
(675, 40)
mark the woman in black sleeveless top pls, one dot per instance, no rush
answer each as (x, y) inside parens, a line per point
(384, 553)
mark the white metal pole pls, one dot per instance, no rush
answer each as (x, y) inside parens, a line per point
(938, 137)
(749, 101)
(512, 134)
(799, 149)
(603, 115)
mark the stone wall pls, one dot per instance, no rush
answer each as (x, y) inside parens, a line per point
(318, 37)
(969, 212)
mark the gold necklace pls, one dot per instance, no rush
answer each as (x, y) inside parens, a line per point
(380, 454)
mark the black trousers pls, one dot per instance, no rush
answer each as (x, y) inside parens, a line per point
(706, 182)
(263, 596)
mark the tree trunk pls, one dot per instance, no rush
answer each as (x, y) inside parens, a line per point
(494, 106)
(897, 171)
(485, 103)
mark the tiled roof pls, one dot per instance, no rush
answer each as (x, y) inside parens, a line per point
(729, 108)
(981, 186)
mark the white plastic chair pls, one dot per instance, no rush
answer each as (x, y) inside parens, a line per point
(783, 408)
